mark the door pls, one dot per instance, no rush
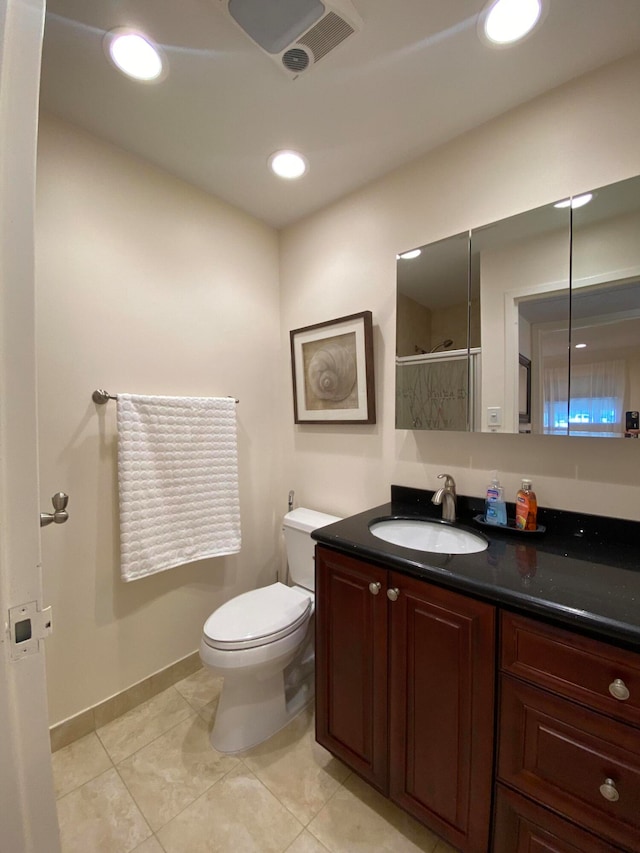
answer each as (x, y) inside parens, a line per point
(351, 663)
(441, 665)
(29, 820)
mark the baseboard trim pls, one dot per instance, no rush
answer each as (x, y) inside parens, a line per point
(67, 731)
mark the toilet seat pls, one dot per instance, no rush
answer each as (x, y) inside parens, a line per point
(257, 618)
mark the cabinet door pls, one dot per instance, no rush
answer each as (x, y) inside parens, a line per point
(351, 663)
(442, 665)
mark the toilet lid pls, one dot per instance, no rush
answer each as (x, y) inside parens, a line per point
(257, 617)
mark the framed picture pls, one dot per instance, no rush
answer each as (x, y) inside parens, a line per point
(524, 389)
(332, 367)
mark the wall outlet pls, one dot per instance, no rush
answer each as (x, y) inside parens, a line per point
(494, 416)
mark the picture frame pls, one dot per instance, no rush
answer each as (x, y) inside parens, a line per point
(332, 371)
(524, 389)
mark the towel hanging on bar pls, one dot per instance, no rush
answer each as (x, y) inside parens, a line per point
(177, 481)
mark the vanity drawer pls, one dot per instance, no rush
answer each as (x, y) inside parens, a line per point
(571, 761)
(597, 674)
(522, 826)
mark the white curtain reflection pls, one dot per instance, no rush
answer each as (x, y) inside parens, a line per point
(596, 403)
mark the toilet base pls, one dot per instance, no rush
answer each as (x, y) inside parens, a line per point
(252, 710)
(257, 703)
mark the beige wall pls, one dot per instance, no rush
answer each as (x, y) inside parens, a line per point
(144, 285)
(342, 260)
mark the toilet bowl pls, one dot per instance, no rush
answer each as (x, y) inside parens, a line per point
(261, 642)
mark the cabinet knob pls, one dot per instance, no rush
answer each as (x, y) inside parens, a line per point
(619, 690)
(374, 588)
(392, 594)
(609, 791)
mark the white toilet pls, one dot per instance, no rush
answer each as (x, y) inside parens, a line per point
(261, 642)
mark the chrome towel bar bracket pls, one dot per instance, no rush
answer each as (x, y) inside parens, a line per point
(101, 396)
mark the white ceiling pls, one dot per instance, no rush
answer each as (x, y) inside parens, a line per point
(415, 76)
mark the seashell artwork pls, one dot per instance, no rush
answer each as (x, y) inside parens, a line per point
(332, 373)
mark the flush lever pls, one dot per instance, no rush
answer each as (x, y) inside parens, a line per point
(59, 514)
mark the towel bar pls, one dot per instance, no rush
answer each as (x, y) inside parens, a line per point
(101, 396)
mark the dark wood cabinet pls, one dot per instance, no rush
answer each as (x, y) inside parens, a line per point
(566, 741)
(522, 826)
(441, 681)
(405, 683)
(405, 691)
(351, 664)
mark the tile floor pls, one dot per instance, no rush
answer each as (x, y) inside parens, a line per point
(149, 782)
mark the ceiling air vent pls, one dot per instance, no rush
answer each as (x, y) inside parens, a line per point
(296, 34)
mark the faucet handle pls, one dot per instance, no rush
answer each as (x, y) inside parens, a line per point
(449, 482)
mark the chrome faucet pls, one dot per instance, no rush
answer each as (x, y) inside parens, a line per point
(446, 495)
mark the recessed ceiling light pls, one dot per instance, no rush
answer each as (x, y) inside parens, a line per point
(504, 22)
(134, 55)
(576, 201)
(407, 256)
(288, 164)
(580, 346)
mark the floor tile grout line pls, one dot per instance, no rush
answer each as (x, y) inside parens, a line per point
(309, 830)
(189, 804)
(189, 713)
(315, 838)
(90, 779)
(160, 844)
(284, 805)
(199, 707)
(86, 782)
(137, 804)
(195, 799)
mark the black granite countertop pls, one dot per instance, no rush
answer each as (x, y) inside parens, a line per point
(582, 572)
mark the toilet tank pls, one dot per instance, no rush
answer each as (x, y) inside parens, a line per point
(297, 526)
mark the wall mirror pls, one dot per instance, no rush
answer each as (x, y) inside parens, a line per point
(550, 299)
(432, 351)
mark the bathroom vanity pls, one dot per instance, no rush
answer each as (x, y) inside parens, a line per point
(494, 696)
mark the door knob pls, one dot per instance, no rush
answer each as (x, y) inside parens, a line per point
(374, 588)
(393, 593)
(59, 514)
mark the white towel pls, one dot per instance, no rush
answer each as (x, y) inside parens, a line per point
(178, 481)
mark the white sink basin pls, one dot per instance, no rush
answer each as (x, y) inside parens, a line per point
(424, 535)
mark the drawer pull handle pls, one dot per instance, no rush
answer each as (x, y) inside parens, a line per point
(374, 588)
(392, 594)
(609, 791)
(619, 690)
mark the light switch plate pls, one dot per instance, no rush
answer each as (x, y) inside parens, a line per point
(494, 416)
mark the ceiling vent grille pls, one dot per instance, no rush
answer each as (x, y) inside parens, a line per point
(324, 36)
(314, 28)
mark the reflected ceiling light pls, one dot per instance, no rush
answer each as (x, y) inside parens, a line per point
(576, 201)
(504, 22)
(288, 164)
(134, 55)
(407, 256)
(580, 346)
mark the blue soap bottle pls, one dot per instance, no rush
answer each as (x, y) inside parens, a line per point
(495, 510)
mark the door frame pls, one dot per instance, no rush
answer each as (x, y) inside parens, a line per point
(29, 821)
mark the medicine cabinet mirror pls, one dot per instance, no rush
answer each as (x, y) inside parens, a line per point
(528, 325)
